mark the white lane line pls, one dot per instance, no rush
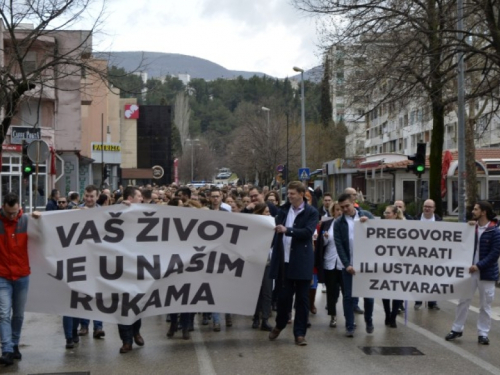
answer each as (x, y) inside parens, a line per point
(204, 361)
(495, 311)
(448, 345)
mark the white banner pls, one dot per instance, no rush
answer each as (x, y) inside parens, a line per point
(412, 260)
(119, 263)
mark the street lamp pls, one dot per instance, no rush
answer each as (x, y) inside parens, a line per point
(303, 116)
(192, 143)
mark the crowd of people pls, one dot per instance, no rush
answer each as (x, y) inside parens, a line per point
(312, 245)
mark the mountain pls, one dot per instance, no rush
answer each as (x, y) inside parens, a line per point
(314, 74)
(158, 64)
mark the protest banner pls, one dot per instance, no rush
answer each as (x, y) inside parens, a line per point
(119, 263)
(412, 260)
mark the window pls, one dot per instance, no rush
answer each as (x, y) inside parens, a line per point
(29, 62)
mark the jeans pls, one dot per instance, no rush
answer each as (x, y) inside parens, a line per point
(186, 319)
(216, 317)
(13, 294)
(289, 288)
(70, 326)
(349, 305)
(85, 323)
(127, 332)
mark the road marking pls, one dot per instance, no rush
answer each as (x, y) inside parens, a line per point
(448, 345)
(204, 361)
(495, 311)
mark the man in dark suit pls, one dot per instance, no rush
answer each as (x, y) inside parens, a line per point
(343, 232)
(293, 260)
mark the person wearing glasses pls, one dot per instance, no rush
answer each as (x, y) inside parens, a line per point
(392, 213)
(62, 203)
(428, 214)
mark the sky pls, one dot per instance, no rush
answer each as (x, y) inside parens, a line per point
(268, 36)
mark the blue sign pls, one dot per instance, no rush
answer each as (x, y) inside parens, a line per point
(280, 168)
(304, 174)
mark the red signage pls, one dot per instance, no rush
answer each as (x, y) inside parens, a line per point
(131, 111)
(13, 148)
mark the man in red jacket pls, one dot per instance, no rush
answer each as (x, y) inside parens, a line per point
(14, 275)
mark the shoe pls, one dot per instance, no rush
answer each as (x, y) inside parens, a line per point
(229, 322)
(453, 335)
(185, 334)
(125, 348)
(255, 324)
(308, 324)
(17, 353)
(300, 341)
(7, 359)
(70, 344)
(393, 323)
(171, 330)
(349, 333)
(76, 339)
(98, 333)
(333, 322)
(139, 340)
(370, 328)
(434, 307)
(483, 340)
(84, 331)
(273, 335)
(265, 326)
(216, 327)
(358, 310)
(417, 306)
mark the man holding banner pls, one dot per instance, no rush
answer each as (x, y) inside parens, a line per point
(484, 271)
(344, 239)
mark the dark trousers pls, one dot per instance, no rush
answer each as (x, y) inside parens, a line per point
(70, 326)
(299, 288)
(349, 306)
(127, 332)
(185, 320)
(334, 284)
(396, 303)
(85, 323)
(265, 296)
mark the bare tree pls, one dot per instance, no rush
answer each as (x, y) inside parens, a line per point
(38, 49)
(182, 114)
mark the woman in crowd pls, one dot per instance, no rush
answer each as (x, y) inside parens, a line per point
(265, 296)
(328, 264)
(274, 198)
(392, 213)
(103, 200)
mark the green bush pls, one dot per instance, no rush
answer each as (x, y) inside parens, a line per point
(379, 211)
(411, 209)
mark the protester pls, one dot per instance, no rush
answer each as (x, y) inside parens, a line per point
(52, 202)
(74, 200)
(344, 238)
(484, 273)
(103, 200)
(392, 213)
(428, 214)
(62, 203)
(14, 275)
(327, 262)
(324, 211)
(131, 194)
(401, 205)
(90, 201)
(293, 260)
(266, 289)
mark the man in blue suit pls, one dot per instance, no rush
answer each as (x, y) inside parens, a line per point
(292, 260)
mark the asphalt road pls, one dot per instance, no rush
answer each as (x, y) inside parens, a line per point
(242, 350)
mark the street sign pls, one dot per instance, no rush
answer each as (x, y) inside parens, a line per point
(304, 174)
(157, 172)
(280, 168)
(38, 151)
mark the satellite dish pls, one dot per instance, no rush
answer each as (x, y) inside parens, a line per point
(38, 151)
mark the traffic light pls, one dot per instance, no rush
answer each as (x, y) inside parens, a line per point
(418, 159)
(26, 163)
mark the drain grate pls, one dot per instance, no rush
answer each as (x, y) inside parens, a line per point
(390, 350)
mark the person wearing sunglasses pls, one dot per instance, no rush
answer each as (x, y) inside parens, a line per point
(62, 203)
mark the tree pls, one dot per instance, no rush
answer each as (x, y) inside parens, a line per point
(326, 104)
(405, 53)
(34, 60)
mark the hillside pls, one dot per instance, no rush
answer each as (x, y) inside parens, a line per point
(158, 64)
